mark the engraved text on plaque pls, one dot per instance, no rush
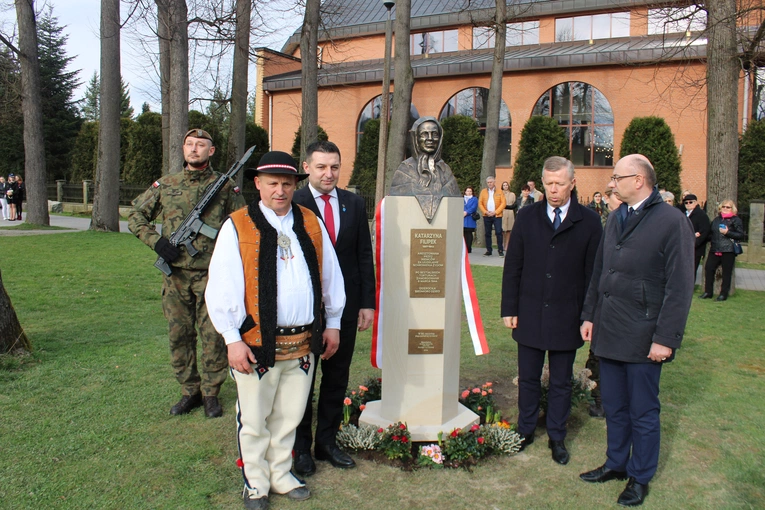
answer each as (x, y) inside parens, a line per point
(427, 272)
(426, 341)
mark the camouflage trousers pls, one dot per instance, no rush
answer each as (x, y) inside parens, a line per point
(183, 301)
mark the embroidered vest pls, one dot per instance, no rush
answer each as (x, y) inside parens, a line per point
(257, 247)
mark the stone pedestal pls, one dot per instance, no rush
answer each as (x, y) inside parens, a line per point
(421, 315)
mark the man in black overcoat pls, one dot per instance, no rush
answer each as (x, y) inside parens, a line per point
(547, 269)
(635, 315)
(701, 227)
(348, 228)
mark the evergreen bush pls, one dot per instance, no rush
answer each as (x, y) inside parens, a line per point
(365, 165)
(751, 166)
(652, 137)
(463, 150)
(541, 138)
(321, 135)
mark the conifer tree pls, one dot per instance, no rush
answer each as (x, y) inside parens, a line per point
(365, 165)
(541, 138)
(751, 166)
(463, 149)
(652, 137)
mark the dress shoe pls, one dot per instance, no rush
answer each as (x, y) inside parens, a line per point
(705, 295)
(303, 465)
(260, 503)
(334, 455)
(559, 452)
(212, 407)
(526, 439)
(487, 254)
(722, 297)
(603, 474)
(186, 404)
(299, 493)
(596, 410)
(501, 254)
(633, 494)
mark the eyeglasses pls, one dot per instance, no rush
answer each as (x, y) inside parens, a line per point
(726, 207)
(689, 201)
(617, 178)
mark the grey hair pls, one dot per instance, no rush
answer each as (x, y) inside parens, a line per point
(556, 163)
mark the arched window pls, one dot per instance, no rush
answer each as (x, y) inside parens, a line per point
(473, 103)
(586, 116)
(372, 111)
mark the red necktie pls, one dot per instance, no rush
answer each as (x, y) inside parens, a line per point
(329, 218)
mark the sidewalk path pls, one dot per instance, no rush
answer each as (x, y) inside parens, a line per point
(68, 222)
(746, 279)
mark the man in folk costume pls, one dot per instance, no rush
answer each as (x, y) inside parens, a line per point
(280, 252)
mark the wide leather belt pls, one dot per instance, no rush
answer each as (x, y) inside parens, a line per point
(293, 330)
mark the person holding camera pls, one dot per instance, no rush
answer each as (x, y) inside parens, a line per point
(727, 231)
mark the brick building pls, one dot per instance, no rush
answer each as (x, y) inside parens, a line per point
(592, 65)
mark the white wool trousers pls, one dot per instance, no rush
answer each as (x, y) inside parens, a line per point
(269, 410)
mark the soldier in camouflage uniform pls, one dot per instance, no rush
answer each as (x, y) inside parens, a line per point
(171, 198)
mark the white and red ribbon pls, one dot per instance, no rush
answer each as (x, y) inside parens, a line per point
(472, 310)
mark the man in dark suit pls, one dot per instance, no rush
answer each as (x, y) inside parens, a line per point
(547, 268)
(344, 214)
(634, 315)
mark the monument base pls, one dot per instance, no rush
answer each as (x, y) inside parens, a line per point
(465, 418)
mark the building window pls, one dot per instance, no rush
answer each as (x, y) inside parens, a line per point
(372, 111)
(518, 34)
(586, 116)
(676, 20)
(597, 26)
(472, 103)
(434, 42)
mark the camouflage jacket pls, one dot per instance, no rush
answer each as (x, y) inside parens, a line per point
(170, 199)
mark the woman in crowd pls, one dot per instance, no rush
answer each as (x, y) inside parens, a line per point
(525, 199)
(3, 201)
(726, 229)
(468, 223)
(668, 197)
(9, 196)
(508, 217)
(599, 206)
(18, 196)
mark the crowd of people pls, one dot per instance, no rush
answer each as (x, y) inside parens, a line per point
(288, 280)
(12, 193)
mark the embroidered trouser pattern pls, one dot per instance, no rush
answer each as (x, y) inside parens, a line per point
(269, 410)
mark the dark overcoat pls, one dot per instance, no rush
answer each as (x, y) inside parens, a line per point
(700, 223)
(642, 283)
(546, 275)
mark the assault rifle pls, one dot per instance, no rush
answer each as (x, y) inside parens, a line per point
(193, 224)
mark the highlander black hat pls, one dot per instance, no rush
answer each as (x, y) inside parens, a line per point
(275, 162)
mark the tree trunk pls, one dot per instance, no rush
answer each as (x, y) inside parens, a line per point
(163, 33)
(722, 104)
(236, 132)
(489, 161)
(179, 82)
(31, 107)
(309, 42)
(106, 216)
(403, 81)
(12, 336)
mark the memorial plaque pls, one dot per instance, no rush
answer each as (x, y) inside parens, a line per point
(426, 341)
(427, 270)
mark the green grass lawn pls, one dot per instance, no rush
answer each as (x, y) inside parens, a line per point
(84, 420)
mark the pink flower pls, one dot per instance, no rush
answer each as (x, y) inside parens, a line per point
(480, 440)
(476, 390)
(380, 430)
(362, 407)
(347, 401)
(474, 428)
(353, 393)
(404, 439)
(466, 394)
(483, 393)
(363, 388)
(491, 391)
(480, 408)
(488, 385)
(455, 433)
(402, 426)
(395, 438)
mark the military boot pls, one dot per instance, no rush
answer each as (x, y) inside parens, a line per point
(186, 404)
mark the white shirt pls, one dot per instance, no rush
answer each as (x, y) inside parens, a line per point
(490, 202)
(637, 205)
(294, 301)
(334, 202)
(563, 211)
